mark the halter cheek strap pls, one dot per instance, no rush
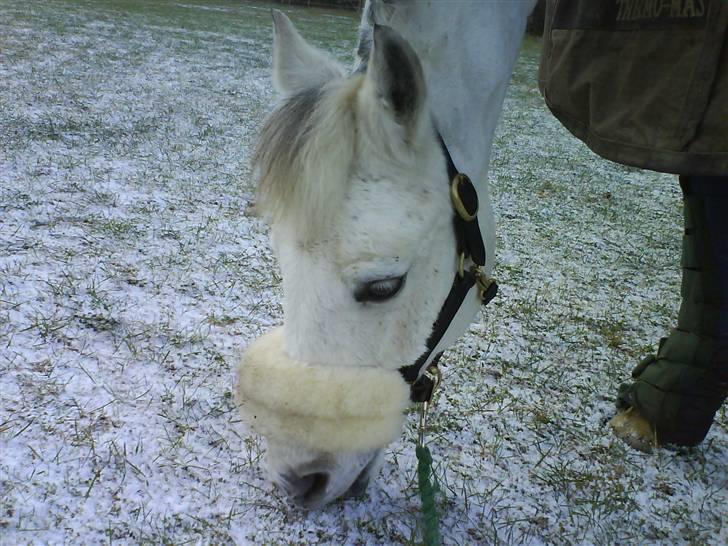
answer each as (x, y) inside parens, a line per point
(471, 250)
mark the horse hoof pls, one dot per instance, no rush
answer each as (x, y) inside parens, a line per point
(634, 430)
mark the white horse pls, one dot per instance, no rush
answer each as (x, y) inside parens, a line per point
(354, 183)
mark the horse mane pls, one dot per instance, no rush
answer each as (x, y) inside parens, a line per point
(304, 155)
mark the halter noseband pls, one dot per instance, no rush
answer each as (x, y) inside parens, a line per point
(470, 247)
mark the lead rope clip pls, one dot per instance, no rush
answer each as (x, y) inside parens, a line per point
(434, 374)
(427, 489)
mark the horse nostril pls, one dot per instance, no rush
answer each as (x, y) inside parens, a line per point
(359, 486)
(307, 489)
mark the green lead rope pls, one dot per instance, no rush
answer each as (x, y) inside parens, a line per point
(430, 530)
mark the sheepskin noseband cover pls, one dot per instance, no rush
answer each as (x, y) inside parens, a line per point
(334, 408)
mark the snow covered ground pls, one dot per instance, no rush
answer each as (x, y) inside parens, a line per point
(132, 274)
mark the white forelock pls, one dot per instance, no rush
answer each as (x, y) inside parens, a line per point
(304, 156)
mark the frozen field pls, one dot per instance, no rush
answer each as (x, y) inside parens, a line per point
(132, 274)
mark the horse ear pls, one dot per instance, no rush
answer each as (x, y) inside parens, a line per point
(296, 64)
(396, 74)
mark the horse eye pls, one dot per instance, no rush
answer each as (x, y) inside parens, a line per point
(379, 290)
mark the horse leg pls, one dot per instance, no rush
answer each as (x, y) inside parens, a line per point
(676, 393)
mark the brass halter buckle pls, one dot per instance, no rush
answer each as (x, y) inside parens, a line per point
(457, 201)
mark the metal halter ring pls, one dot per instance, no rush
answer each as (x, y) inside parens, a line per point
(434, 374)
(457, 201)
(483, 281)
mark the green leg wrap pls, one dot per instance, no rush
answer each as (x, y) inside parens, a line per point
(680, 389)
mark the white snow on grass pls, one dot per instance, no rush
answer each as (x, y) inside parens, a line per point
(132, 274)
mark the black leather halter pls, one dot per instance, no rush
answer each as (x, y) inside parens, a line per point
(470, 247)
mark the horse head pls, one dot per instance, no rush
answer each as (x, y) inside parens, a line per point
(353, 182)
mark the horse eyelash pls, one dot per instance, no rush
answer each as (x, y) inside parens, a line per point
(364, 292)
